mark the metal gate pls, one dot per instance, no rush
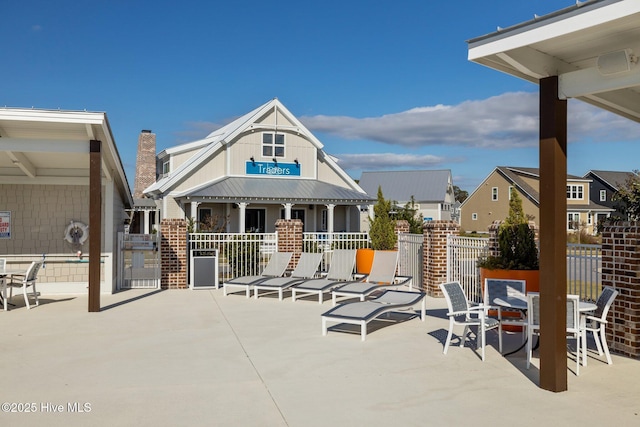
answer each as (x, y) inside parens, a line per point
(139, 261)
(410, 257)
(462, 259)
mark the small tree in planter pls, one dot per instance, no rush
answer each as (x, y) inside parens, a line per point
(516, 241)
(382, 231)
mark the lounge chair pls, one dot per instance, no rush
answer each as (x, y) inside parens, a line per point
(363, 312)
(383, 273)
(276, 267)
(306, 269)
(343, 261)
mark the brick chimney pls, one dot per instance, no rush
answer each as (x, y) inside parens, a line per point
(145, 163)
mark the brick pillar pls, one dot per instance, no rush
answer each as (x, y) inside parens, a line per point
(173, 244)
(434, 254)
(621, 270)
(290, 238)
(401, 226)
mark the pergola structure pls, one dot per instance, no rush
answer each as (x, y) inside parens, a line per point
(589, 52)
(65, 148)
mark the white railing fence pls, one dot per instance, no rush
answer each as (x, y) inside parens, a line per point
(410, 257)
(327, 242)
(462, 257)
(239, 254)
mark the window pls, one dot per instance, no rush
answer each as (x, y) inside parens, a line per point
(603, 195)
(510, 190)
(165, 168)
(272, 145)
(575, 192)
(494, 194)
(474, 216)
(589, 219)
(573, 221)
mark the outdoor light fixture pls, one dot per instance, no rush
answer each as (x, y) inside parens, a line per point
(616, 62)
(253, 161)
(275, 162)
(297, 162)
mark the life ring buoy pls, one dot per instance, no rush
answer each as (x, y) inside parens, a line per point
(76, 232)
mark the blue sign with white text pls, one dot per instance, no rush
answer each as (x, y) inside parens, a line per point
(272, 169)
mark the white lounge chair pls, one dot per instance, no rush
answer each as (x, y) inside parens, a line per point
(383, 273)
(363, 312)
(276, 267)
(343, 261)
(28, 281)
(306, 269)
(597, 321)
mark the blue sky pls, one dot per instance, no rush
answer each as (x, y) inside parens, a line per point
(383, 84)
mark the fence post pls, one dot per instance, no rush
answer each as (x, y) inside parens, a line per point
(434, 256)
(173, 244)
(621, 270)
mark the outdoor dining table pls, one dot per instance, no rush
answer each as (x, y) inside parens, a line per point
(520, 303)
(3, 276)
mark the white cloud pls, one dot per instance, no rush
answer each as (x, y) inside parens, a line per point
(509, 120)
(379, 161)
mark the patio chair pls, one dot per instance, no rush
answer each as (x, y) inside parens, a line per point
(596, 323)
(306, 269)
(462, 313)
(505, 288)
(28, 281)
(343, 261)
(363, 312)
(276, 267)
(383, 273)
(573, 323)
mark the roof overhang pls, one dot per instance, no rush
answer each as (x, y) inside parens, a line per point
(276, 191)
(52, 148)
(592, 46)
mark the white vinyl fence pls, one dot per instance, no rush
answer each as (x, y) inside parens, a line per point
(410, 248)
(462, 256)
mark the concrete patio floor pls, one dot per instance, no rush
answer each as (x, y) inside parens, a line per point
(153, 358)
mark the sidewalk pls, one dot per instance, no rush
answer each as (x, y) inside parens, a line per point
(196, 358)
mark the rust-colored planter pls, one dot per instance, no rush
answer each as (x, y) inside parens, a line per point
(364, 260)
(532, 278)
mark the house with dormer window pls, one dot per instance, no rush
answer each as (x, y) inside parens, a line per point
(263, 166)
(490, 200)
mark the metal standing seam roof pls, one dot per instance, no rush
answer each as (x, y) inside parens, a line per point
(279, 190)
(423, 185)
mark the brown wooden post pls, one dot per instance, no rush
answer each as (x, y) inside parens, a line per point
(553, 237)
(95, 223)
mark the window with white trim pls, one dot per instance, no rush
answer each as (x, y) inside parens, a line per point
(272, 144)
(573, 221)
(575, 192)
(474, 216)
(494, 194)
(510, 189)
(603, 195)
(165, 167)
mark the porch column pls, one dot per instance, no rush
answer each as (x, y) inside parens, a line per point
(242, 209)
(287, 210)
(194, 215)
(330, 218)
(553, 237)
(146, 221)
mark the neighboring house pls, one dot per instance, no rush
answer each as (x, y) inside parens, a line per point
(261, 167)
(490, 201)
(432, 190)
(604, 184)
(45, 189)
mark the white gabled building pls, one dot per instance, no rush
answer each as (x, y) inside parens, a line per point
(261, 167)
